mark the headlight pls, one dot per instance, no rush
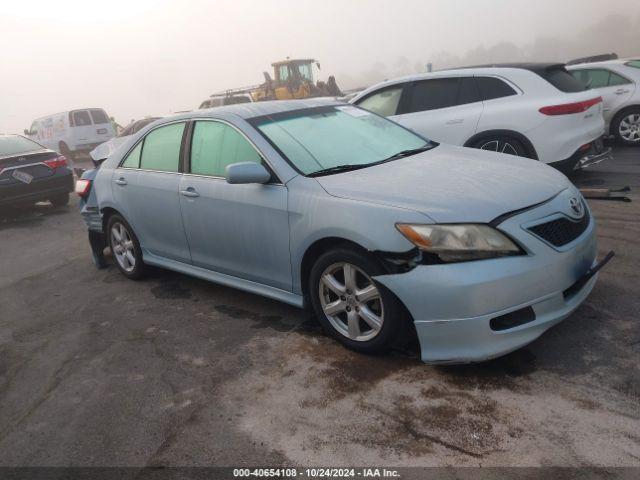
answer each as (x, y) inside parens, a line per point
(457, 243)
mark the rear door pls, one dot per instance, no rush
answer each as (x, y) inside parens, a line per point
(82, 131)
(442, 109)
(103, 130)
(146, 188)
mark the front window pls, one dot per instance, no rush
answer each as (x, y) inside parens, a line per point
(327, 137)
(383, 102)
(81, 118)
(215, 145)
(305, 71)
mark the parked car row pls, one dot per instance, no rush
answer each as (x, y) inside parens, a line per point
(538, 111)
(378, 229)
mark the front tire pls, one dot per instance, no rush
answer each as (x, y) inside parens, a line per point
(125, 248)
(626, 127)
(502, 144)
(354, 309)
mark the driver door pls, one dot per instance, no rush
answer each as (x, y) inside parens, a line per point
(242, 229)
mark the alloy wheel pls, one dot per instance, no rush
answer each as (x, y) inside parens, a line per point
(122, 246)
(629, 128)
(500, 147)
(351, 301)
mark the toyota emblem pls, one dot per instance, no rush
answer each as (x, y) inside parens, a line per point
(576, 207)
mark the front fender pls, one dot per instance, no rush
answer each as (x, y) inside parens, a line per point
(315, 215)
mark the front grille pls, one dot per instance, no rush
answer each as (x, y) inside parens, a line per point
(561, 231)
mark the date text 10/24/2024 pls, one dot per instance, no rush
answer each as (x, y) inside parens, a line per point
(315, 473)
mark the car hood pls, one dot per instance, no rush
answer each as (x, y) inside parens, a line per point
(451, 184)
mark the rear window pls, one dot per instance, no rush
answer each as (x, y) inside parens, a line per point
(491, 87)
(17, 145)
(633, 63)
(562, 80)
(99, 116)
(81, 118)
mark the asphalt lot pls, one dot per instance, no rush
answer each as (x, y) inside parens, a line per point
(98, 370)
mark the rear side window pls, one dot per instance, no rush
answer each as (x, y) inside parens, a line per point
(133, 159)
(99, 116)
(598, 78)
(17, 145)
(215, 145)
(433, 94)
(383, 102)
(161, 149)
(562, 80)
(491, 88)
(633, 63)
(81, 118)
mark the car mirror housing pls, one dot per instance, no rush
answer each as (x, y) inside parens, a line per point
(27, 132)
(247, 172)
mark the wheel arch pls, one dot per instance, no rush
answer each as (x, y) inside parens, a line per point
(314, 251)
(620, 112)
(407, 341)
(504, 133)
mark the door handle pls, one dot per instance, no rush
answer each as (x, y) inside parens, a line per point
(455, 121)
(620, 91)
(190, 192)
(121, 181)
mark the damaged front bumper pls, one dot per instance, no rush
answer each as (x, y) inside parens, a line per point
(473, 311)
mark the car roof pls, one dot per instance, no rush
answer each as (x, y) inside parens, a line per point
(615, 61)
(536, 67)
(258, 109)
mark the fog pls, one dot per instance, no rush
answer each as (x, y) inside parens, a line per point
(140, 57)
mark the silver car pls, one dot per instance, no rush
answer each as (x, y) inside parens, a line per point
(617, 82)
(382, 232)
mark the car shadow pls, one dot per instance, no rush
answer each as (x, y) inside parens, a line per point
(25, 216)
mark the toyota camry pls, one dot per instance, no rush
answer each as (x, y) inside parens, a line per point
(322, 204)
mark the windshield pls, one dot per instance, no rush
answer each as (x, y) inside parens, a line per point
(17, 145)
(320, 138)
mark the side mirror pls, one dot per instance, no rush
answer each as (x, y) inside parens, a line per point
(27, 132)
(247, 172)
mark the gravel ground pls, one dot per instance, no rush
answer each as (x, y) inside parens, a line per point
(96, 370)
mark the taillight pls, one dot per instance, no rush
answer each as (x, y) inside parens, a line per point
(569, 108)
(59, 161)
(83, 187)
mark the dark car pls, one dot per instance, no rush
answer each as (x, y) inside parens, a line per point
(31, 173)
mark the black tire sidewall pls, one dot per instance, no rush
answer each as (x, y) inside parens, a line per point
(517, 144)
(60, 200)
(393, 312)
(140, 269)
(615, 126)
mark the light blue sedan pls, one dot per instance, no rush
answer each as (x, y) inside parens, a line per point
(321, 204)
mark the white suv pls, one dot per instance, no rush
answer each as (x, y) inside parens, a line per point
(617, 82)
(532, 110)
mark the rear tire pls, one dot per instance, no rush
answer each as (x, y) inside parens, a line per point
(502, 144)
(626, 127)
(125, 248)
(60, 200)
(354, 309)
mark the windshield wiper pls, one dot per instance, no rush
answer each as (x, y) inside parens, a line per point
(338, 169)
(347, 168)
(408, 153)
